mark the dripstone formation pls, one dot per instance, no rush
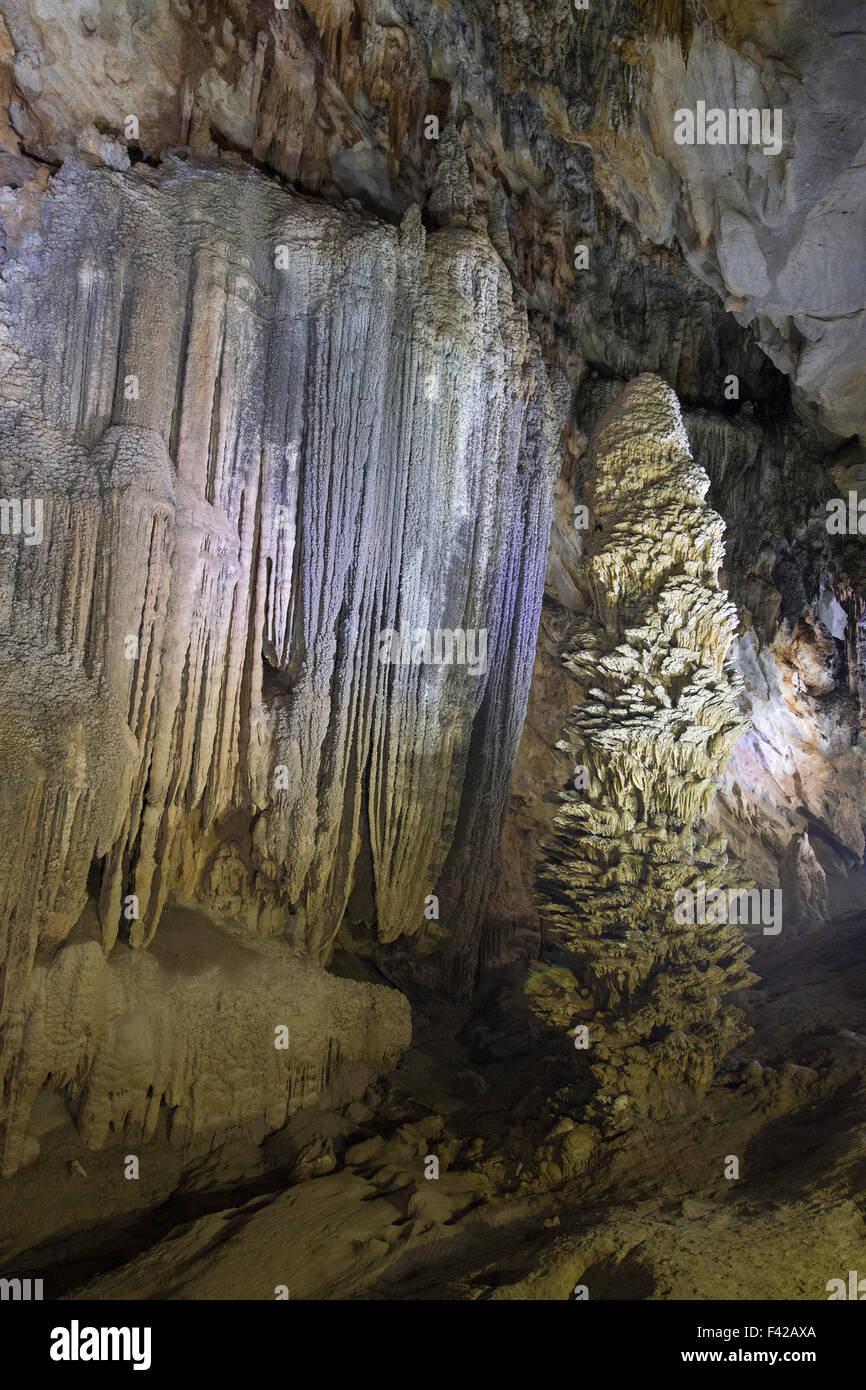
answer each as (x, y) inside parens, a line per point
(262, 432)
(658, 724)
(316, 321)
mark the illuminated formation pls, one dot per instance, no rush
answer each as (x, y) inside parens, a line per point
(658, 724)
(265, 432)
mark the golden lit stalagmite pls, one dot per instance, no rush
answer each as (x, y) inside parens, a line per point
(658, 722)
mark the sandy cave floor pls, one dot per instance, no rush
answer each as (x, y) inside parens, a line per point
(336, 1206)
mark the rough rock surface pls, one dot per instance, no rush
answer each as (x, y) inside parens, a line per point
(315, 452)
(264, 432)
(571, 109)
(192, 1024)
(803, 883)
(243, 1220)
(777, 234)
(656, 725)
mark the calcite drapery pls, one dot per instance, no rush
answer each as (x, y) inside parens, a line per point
(658, 724)
(264, 430)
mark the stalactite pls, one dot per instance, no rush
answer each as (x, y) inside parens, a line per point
(266, 433)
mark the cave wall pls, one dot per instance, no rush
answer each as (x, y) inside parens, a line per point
(263, 432)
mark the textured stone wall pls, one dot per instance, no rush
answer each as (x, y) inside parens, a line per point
(574, 109)
(363, 440)
(263, 432)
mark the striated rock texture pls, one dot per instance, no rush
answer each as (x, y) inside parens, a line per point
(798, 592)
(263, 432)
(278, 435)
(192, 1024)
(803, 883)
(658, 723)
(571, 113)
(779, 235)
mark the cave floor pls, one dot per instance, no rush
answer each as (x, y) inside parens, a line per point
(336, 1206)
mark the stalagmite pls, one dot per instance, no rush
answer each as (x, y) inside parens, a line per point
(659, 721)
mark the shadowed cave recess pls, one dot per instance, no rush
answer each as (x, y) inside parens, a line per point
(432, 649)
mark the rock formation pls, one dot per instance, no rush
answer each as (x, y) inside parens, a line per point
(656, 726)
(319, 326)
(263, 434)
(803, 883)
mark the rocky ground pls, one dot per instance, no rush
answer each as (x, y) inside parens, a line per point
(337, 1206)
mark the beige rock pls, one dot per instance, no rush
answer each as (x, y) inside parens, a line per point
(658, 722)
